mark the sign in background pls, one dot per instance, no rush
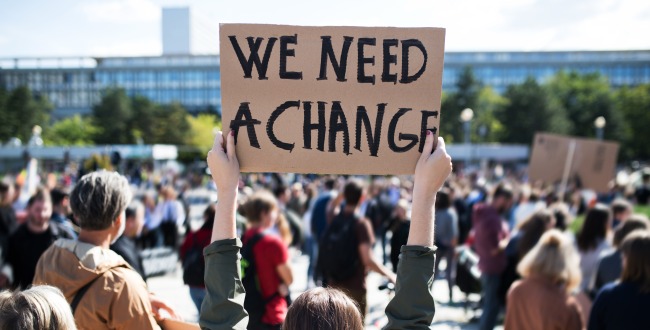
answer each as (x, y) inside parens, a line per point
(557, 158)
(340, 100)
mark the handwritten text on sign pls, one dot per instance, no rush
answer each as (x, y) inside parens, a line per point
(330, 99)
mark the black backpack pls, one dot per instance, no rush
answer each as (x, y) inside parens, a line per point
(254, 303)
(338, 254)
(194, 265)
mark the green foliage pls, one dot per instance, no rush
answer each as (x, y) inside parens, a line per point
(72, 131)
(634, 105)
(112, 117)
(530, 109)
(201, 132)
(20, 111)
(584, 98)
(466, 95)
(171, 126)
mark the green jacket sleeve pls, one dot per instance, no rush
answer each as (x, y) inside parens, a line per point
(223, 306)
(413, 307)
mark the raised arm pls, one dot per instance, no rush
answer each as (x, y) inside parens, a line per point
(223, 306)
(413, 306)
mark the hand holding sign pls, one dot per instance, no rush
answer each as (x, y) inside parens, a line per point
(223, 164)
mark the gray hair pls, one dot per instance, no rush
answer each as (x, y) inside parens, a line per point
(40, 307)
(99, 198)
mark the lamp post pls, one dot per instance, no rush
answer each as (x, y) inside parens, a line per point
(466, 117)
(600, 123)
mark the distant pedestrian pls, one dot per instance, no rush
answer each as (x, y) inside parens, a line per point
(191, 254)
(624, 304)
(543, 300)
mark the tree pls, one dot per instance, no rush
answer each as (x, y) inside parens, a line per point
(634, 105)
(485, 126)
(171, 125)
(201, 132)
(112, 117)
(76, 131)
(465, 95)
(22, 111)
(142, 123)
(585, 97)
(530, 109)
(7, 119)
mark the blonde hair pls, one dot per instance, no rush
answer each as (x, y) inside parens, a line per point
(553, 258)
(40, 307)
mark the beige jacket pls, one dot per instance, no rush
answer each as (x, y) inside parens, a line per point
(117, 300)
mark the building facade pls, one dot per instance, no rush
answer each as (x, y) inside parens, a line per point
(74, 85)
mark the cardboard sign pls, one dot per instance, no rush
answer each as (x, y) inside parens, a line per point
(340, 100)
(592, 163)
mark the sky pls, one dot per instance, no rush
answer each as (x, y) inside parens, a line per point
(46, 28)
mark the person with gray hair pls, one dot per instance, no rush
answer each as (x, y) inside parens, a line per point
(103, 290)
(40, 307)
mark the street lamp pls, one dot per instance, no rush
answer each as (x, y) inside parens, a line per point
(466, 117)
(599, 123)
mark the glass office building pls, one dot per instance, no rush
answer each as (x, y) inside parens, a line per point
(74, 85)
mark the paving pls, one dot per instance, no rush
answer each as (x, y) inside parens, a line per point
(448, 316)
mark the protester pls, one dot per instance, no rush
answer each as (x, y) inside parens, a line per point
(446, 236)
(271, 258)
(345, 253)
(318, 223)
(642, 192)
(152, 235)
(525, 238)
(31, 239)
(491, 231)
(41, 307)
(401, 227)
(109, 293)
(591, 242)
(172, 214)
(543, 300)
(412, 305)
(191, 254)
(295, 235)
(379, 211)
(610, 263)
(8, 224)
(624, 305)
(621, 211)
(61, 209)
(125, 245)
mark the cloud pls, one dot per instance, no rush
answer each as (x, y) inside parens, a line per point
(121, 11)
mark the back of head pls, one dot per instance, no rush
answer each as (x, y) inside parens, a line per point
(594, 228)
(636, 268)
(5, 196)
(532, 229)
(323, 308)
(40, 307)
(259, 204)
(443, 199)
(619, 206)
(99, 198)
(554, 259)
(503, 191)
(58, 196)
(635, 222)
(352, 192)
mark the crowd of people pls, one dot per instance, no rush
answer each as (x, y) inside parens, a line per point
(548, 258)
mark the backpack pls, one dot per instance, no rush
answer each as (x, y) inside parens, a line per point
(338, 254)
(194, 266)
(254, 303)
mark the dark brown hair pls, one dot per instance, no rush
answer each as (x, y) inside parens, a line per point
(352, 192)
(636, 269)
(635, 222)
(594, 228)
(443, 199)
(532, 229)
(41, 195)
(323, 308)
